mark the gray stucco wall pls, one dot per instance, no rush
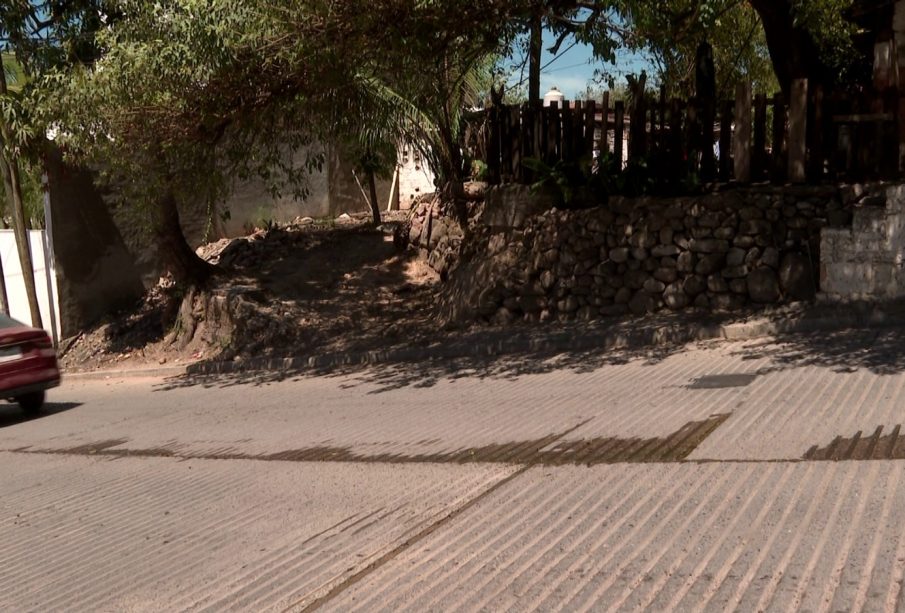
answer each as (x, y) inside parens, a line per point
(106, 255)
(96, 272)
(332, 192)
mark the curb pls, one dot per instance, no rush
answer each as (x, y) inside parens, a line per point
(96, 375)
(625, 337)
(671, 334)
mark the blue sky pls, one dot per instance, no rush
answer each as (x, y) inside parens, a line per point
(572, 70)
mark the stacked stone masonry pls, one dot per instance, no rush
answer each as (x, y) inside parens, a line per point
(714, 252)
(865, 261)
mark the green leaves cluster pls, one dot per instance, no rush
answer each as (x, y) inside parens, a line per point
(201, 93)
(671, 31)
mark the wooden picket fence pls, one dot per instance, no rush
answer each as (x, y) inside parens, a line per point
(813, 137)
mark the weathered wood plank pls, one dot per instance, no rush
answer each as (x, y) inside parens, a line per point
(619, 130)
(741, 139)
(759, 157)
(778, 166)
(726, 141)
(798, 129)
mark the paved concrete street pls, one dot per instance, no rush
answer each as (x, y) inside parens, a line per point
(764, 475)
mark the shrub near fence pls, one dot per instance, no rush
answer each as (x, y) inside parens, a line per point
(812, 137)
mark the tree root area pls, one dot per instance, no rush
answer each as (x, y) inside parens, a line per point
(289, 291)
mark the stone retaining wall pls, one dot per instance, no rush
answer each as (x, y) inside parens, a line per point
(867, 260)
(718, 251)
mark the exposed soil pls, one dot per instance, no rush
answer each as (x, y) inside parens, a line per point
(286, 291)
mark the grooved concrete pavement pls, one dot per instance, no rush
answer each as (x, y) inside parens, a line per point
(716, 537)
(149, 534)
(424, 486)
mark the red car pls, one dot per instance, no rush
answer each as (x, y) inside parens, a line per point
(28, 364)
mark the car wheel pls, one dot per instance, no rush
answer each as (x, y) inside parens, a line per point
(32, 402)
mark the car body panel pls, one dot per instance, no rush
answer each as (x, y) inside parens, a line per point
(28, 362)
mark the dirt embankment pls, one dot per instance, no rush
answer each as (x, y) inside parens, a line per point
(285, 291)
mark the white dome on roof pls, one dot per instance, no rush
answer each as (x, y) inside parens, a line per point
(554, 95)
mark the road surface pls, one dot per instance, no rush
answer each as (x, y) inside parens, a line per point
(766, 475)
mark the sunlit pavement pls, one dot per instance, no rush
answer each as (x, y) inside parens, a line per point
(764, 475)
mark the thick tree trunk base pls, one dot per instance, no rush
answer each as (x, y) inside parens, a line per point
(183, 263)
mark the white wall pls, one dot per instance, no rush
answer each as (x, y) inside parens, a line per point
(48, 298)
(415, 177)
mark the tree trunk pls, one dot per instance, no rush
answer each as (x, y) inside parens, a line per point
(375, 206)
(451, 173)
(4, 297)
(792, 48)
(535, 51)
(185, 265)
(10, 170)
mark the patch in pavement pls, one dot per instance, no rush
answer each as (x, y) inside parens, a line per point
(550, 450)
(876, 446)
(714, 382)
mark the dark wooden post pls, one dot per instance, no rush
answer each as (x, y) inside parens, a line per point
(726, 141)
(554, 140)
(705, 89)
(798, 128)
(662, 109)
(619, 128)
(741, 141)
(637, 142)
(493, 145)
(759, 159)
(900, 119)
(816, 153)
(530, 139)
(566, 142)
(515, 142)
(505, 146)
(653, 143)
(605, 127)
(543, 127)
(676, 142)
(590, 127)
(693, 136)
(778, 164)
(576, 148)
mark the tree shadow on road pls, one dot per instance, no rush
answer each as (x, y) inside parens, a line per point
(12, 415)
(427, 373)
(880, 351)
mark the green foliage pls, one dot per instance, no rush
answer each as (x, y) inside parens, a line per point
(670, 32)
(189, 96)
(564, 178)
(173, 105)
(832, 32)
(479, 170)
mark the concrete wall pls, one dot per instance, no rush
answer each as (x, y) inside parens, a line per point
(332, 192)
(867, 260)
(45, 281)
(415, 177)
(251, 204)
(345, 193)
(106, 255)
(96, 272)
